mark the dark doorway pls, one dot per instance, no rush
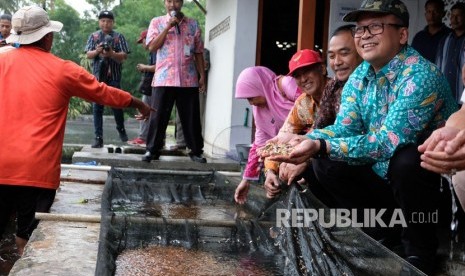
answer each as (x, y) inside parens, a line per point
(280, 22)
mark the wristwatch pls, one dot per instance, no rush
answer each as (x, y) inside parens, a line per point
(322, 152)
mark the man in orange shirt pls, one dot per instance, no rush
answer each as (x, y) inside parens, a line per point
(35, 90)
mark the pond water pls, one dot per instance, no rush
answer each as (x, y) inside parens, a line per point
(170, 260)
(182, 223)
(8, 252)
(218, 253)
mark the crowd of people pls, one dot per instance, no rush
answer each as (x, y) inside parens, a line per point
(376, 135)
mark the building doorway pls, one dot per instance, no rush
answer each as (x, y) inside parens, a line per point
(278, 28)
(278, 32)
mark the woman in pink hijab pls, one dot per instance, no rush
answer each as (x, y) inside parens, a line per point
(272, 97)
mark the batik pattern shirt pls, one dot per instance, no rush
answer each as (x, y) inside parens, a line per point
(329, 104)
(381, 112)
(302, 118)
(175, 65)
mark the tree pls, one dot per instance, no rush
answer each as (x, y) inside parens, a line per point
(9, 6)
(101, 4)
(191, 10)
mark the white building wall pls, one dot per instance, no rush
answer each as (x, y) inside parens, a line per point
(232, 48)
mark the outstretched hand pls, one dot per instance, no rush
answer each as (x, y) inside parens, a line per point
(303, 149)
(438, 139)
(240, 195)
(456, 144)
(282, 138)
(144, 112)
(447, 155)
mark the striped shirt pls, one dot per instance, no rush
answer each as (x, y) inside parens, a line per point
(118, 43)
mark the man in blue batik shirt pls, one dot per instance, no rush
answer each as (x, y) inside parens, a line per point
(369, 159)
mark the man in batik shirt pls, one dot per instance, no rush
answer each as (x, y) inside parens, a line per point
(179, 77)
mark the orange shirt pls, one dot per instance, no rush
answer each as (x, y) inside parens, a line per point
(35, 89)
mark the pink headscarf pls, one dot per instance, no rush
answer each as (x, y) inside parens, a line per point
(261, 81)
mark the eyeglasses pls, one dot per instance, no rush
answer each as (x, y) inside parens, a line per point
(373, 29)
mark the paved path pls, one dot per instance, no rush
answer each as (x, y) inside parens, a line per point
(81, 130)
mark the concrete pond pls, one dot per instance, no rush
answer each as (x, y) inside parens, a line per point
(67, 241)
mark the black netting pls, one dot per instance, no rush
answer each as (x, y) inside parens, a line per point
(176, 213)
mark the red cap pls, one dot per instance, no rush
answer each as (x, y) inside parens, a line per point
(303, 58)
(143, 35)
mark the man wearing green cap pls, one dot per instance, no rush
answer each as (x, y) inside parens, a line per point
(368, 159)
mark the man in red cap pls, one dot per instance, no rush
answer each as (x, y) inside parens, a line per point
(309, 71)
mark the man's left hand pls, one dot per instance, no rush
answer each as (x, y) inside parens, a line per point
(202, 85)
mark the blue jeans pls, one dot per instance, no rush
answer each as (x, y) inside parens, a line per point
(97, 110)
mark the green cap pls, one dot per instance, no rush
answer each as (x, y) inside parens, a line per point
(395, 7)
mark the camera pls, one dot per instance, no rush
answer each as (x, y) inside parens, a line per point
(106, 47)
(107, 43)
(104, 63)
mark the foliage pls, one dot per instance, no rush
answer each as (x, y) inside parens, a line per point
(78, 106)
(132, 17)
(9, 6)
(191, 10)
(101, 4)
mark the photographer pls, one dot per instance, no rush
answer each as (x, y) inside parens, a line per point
(108, 49)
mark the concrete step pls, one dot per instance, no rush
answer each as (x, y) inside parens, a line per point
(130, 157)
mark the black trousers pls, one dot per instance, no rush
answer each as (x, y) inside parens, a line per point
(408, 186)
(25, 201)
(187, 104)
